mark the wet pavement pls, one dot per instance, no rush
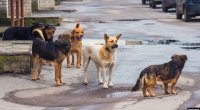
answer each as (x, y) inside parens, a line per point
(159, 35)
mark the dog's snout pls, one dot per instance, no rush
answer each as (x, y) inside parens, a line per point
(114, 46)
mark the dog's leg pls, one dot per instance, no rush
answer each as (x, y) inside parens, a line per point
(110, 84)
(144, 91)
(99, 75)
(68, 60)
(39, 69)
(44, 62)
(85, 64)
(144, 86)
(105, 84)
(56, 65)
(173, 83)
(166, 88)
(72, 59)
(78, 59)
(150, 90)
(59, 73)
(35, 63)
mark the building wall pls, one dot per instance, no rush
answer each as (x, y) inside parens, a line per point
(46, 4)
(5, 8)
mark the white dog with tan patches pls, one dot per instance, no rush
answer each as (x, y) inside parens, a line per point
(103, 57)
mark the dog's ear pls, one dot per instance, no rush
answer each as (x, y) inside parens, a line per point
(77, 25)
(118, 36)
(72, 32)
(60, 36)
(184, 58)
(106, 37)
(173, 57)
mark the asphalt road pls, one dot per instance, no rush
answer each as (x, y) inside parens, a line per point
(161, 36)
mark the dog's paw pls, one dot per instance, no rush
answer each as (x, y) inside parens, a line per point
(34, 79)
(78, 66)
(68, 66)
(105, 86)
(85, 83)
(110, 85)
(174, 92)
(58, 83)
(38, 78)
(146, 95)
(100, 82)
(167, 92)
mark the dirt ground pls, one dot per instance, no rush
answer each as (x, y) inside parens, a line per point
(160, 36)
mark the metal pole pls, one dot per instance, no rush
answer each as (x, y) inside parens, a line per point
(22, 12)
(12, 12)
(17, 13)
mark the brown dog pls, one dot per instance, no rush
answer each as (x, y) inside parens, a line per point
(76, 39)
(167, 73)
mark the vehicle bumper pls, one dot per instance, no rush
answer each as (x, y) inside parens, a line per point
(157, 1)
(169, 3)
(193, 9)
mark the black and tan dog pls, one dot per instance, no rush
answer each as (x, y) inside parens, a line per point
(45, 34)
(167, 73)
(21, 33)
(52, 51)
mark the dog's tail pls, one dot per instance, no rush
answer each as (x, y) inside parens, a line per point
(137, 85)
(77, 25)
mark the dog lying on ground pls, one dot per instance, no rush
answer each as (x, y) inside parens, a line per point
(21, 33)
(45, 34)
(167, 73)
(76, 39)
(103, 57)
(52, 51)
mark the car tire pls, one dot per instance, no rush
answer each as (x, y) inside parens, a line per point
(143, 2)
(178, 16)
(150, 3)
(154, 5)
(186, 17)
(165, 9)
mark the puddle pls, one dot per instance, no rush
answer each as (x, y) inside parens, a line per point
(128, 19)
(191, 44)
(118, 94)
(161, 42)
(195, 48)
(149, 23)
(197, 93)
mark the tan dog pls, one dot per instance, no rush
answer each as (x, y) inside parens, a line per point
(76, 39)
(103, 57)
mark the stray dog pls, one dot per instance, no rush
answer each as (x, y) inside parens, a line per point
(52, 51)
(76, 39)
(21, 33)
(103, 57)
(167, 73)
(45, 34)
